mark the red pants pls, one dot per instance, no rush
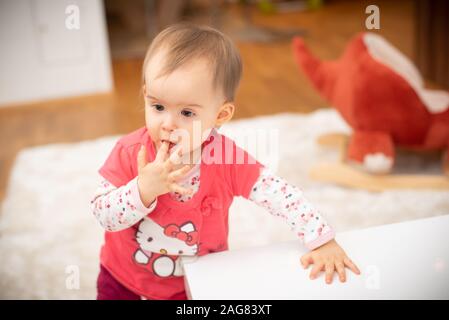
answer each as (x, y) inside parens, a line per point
(108, 288)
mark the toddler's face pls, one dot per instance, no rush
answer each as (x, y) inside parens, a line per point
(177, 103)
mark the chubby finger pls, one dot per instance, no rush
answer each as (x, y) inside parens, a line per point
(329, 269)
(175, 175)
(340, 267)
(162, 152)
(175, 157)
(316, 270)
(351, 265)
(141, 158)
(306, 260)
(176, 188)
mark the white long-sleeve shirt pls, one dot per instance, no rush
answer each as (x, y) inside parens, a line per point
(120, 208)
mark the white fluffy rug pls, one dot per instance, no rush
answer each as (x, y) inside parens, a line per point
(47, 232)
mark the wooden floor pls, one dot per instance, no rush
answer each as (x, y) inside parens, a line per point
(271, 82)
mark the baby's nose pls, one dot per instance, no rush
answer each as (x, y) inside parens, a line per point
(169, 124)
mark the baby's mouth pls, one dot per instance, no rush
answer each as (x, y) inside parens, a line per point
(171, 145)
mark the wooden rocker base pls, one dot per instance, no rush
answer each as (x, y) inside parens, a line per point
(346, 175)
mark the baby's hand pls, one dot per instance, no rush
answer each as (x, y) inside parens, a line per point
(331, 257)
(159, 177)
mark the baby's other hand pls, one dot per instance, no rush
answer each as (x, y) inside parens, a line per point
(330, 257)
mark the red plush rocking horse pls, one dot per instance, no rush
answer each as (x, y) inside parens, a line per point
(381, 95)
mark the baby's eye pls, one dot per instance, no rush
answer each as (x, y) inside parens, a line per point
(158, 107)
(187, 113)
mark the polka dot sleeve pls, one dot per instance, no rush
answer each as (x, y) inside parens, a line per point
(288, 202)
(119, 208)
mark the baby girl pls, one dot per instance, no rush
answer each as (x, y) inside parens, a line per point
(167, 187)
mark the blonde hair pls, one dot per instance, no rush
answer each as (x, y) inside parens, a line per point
(185, 42)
